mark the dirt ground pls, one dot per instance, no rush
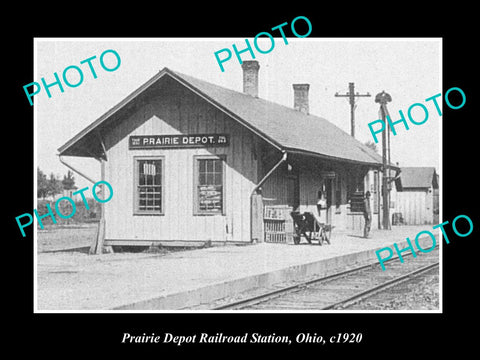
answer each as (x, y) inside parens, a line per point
(74, 280)
(64, 237)
(422, 293)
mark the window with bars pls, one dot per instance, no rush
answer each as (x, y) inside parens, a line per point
(209, 174)
(149, 186)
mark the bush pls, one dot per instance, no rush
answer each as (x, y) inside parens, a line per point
(81, 215)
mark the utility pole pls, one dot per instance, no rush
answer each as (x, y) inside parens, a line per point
(351, 97)
(383, 98)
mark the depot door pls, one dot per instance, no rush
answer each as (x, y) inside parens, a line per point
(293, 191)
(329, 192)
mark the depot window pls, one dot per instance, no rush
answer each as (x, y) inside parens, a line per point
(149, 187)
(209, 185)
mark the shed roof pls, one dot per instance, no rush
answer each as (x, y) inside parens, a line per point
(284, 127)
(419, 177)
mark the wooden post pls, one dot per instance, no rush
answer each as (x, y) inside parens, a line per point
(97, 244)
(257, 218)
(351, 97)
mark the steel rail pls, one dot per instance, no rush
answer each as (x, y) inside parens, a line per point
(375, 289)
(297, 287)
(288, 289)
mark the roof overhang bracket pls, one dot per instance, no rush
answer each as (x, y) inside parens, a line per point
(104, 150)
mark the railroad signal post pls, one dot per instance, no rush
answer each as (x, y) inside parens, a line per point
(382, 98)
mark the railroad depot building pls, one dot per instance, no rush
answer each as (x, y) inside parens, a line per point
(191, 162)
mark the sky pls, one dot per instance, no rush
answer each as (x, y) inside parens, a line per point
(408, 69)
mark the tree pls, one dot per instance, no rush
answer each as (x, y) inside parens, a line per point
(371, 145)
(68, 181)
(54, 186)
(42, 184)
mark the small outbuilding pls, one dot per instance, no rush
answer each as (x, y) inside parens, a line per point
(418, 202)
(191, 162)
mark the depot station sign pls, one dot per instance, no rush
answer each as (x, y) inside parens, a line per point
(177, 141)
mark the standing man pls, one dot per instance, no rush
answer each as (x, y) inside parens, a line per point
(367, 214)
(321, 202)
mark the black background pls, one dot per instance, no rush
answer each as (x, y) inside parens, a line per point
(66, 335)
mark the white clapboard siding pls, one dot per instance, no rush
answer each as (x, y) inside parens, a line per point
(416, 206)
(174, 110)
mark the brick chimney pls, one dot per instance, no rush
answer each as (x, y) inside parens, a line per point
(300, 97)
(250, 77)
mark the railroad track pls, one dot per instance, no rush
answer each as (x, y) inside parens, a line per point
(339, 290)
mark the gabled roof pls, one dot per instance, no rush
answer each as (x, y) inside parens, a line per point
(283, 127)
(419, 177)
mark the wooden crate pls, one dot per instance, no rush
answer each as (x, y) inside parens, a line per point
(278, 224)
